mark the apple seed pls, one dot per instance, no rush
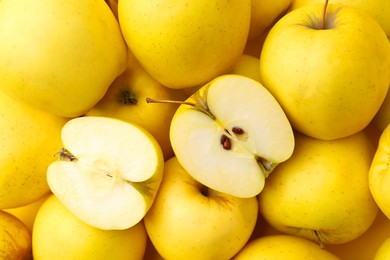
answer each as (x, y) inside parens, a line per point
(238, 130)
(226, 143)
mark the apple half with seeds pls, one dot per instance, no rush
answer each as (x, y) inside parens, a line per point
(108, 173)
(231, 134)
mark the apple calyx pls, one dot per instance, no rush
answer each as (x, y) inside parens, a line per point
(65, 155)
(235, 133)
(319, 241)
(126, 97)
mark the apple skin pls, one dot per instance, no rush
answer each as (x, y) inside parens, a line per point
(63, 66)
(183, 223)
(337, 78)
(185, 44)
(283, 247)
(378, 9)
(322, 188)
(29, 138)
(365, 246)
(247, 66)
(57, 232)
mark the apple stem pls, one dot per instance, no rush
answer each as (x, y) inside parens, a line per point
(150, 100)
(324, 14)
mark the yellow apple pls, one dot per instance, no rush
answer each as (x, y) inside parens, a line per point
(29, 138)
(15, 238)
(126, 100)
(60, 56)
(247, 66)
(231, 129)
(265, 13)
(28, 212)
(378, 9)
(58, 234)
(330, 79)
(283, 247)
(108, 173)
(191, 221)
(321, 193)
(379, 174)
(185, 43)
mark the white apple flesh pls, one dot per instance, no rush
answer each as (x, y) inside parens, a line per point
(233, 137)
(109, 171)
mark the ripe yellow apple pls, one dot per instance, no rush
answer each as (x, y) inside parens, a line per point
(185, 43)
(265, 13)
(321, 192)
(231, 129)
(58, 234)
(378, 9)
(379, 174)
(126, 100)
(190, 221)
(28, 212)
(283, 247)
(29, 138)
(330, 80)
(109, 171)
(60, 56)
(247, 66)
(15, 238)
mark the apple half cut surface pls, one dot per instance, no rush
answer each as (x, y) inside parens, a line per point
(232, 136)
(108, 173)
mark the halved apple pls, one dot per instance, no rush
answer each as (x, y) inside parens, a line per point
(108, 173)
(231, 134)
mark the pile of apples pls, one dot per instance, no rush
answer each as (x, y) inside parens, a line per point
(204, 129)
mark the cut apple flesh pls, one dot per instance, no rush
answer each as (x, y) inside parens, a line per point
(109, 173)
(234, 149)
